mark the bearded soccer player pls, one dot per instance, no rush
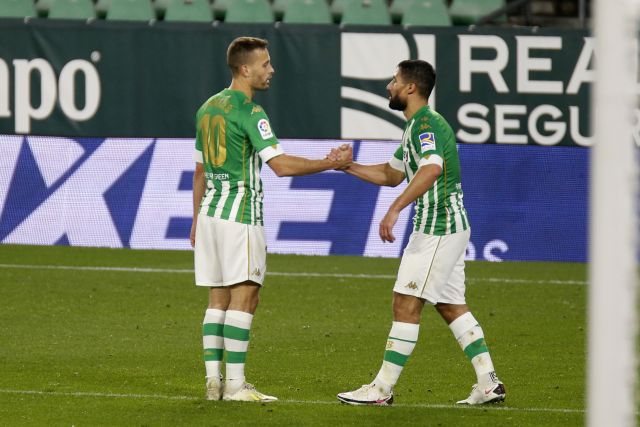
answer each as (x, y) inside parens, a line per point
(234, 137)
(432, 266)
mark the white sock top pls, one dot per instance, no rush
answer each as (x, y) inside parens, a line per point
(462, 324)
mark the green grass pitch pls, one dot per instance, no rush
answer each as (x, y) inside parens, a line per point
(86, 346)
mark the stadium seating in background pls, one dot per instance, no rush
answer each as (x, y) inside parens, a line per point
(366, 12)
(337, 8)
(188, 10)
(220, 9)
(17, 9)
(279, 7)
(347, 12)
(249, 11)
(426, 13)
(307, 12)
(467, 12)
(125, 10)
(397, 8)
(67, 9)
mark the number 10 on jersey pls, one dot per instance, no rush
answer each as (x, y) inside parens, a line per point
(214, 139)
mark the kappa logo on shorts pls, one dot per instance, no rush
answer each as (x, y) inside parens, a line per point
(427, 141)
(265, 129)
(256, 272)
(411, 285)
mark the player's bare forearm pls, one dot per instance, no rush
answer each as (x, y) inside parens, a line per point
(198, 192)
(420, 184)
(286, 165)
(380, 174)
(198, 189)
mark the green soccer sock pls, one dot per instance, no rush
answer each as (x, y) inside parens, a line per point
(471, 339)
(213, 341)
(236, 342)
(402, 340)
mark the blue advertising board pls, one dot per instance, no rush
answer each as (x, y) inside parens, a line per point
(524, 202)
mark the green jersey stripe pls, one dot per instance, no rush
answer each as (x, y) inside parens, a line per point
(253, 185)
(206, 200)
(222, 199)
(257, 193)
(434, 208)
(217, 187)
(231, 200)
(239, 198)
(259, 206)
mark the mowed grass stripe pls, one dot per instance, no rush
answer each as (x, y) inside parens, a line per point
(281, 273)
(494, 407)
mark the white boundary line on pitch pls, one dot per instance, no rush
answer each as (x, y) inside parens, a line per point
(292, 401)
(279, 273)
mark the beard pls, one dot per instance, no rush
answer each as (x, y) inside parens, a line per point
(395, 103)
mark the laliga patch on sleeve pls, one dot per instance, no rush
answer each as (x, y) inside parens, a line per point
(265, 129)
(427, 141)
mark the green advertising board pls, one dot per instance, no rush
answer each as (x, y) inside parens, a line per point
(505, 86)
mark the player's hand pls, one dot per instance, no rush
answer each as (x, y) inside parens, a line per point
(333, 155)
(386, 226)
(192, 235)
(343, 156)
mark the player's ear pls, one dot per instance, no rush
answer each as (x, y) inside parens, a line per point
(411, 88)
(244, 70)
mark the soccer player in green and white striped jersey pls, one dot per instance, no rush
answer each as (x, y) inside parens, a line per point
(233, 139)
(432, 266)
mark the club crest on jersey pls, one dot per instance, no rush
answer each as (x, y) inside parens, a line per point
(427, 141)
(265, 129)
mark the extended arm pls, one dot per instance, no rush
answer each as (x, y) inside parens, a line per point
(380, 174)
(286, 165)
(198, 192)
(420, 184)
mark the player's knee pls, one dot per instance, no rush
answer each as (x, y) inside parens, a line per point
(407, 309)
(450, 312)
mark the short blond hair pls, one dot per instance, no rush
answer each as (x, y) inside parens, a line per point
(239, 50)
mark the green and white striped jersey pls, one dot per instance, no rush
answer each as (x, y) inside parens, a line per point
(233, 139)
(428, 139)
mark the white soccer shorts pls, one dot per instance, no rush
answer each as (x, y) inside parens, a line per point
(228, 252)
(432, 268)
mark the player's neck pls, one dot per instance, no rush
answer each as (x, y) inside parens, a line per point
(412, 107)
(244, 88)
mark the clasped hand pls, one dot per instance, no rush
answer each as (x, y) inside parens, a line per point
(341, 156)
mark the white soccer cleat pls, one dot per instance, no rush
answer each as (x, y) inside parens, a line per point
(492, 393)
(248, 393)
(214, 388)
(368, 394)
